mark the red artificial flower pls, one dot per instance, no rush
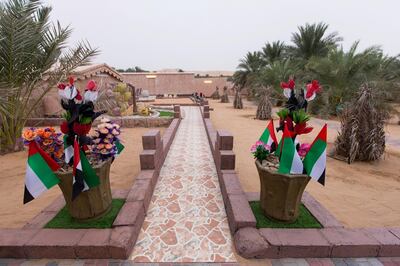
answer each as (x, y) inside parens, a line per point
(64, 127)
(71, 80)
(78, 96)
(312, 88)
(91, 86)
(81, 129)
(289, 85)
(61, 86)
(302, 128)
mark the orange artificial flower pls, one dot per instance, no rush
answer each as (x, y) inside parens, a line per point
(47, 142)
(46, 134)
(59, 153)
(29, 134)
(40, 132)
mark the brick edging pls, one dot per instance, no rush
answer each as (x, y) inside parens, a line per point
(34, 241)
(331, 241)
(124, 121)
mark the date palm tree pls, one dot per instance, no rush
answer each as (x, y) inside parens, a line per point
(34, 57)
(272, 52)
(342, 72)
(246, 75)
(313, 40)
(362, 135)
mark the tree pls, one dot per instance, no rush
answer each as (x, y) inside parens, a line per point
(264, 107)
(224, 97)
(362, 135)
(246, 75)
(341, 73)
(33, 59)
(272, 75)
(311, 40)
(273, 52)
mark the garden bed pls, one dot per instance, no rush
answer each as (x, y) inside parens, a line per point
(305, 220)
(64, 220)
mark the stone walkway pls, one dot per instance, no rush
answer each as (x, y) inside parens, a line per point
(186, 220)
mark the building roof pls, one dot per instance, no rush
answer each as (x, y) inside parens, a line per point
(157, 73)
(83, 72)
(214, 73)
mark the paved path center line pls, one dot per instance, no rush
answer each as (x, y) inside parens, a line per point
(186, 220)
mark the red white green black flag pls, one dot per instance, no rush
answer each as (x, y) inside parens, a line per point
(39, 172)
(315, 160)
(268, 136)
(84, 177)
(290, 161)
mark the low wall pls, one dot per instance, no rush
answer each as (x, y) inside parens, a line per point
(124, 121)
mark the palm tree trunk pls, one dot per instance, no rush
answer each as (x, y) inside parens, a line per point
(238, 103)
(225, 98)
(264, 108)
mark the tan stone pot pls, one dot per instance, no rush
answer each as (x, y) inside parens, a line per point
(281, 194)
(90, 204)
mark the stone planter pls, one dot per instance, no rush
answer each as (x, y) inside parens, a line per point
(90, 204)
(281, 194)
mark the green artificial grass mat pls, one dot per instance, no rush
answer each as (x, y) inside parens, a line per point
(166, 114)
(305, 220)
(65, 221)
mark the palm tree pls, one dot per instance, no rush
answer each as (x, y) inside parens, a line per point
(311, 40)
(264, 107)
(246, 75)
(33, 59)
(362, 135)
(273, 74)
(274, 51)
(341, 73)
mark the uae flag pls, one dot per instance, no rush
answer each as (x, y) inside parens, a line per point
(84, 177)
(315, 160)
(290, 161)
(68, 151)
(39, 172)
(119, 146)
(268, 136)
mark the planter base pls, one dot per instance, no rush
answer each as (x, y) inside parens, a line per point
(90, 204)
(280, 193)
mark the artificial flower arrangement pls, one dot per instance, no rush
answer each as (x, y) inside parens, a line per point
(285, 167)
(106, 141)
(77, 153)
(47, 139)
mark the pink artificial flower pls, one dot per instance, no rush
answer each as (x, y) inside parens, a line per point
(267, 147)
(304, 148)
(259, 142)
(253, 148)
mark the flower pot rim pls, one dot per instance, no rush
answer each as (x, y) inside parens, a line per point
(97, 166)
(266, 169)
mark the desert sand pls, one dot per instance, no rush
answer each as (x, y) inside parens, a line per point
(358, 195)
(12, 168)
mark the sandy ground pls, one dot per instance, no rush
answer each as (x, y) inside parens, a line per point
(12, 168)
(358, 195)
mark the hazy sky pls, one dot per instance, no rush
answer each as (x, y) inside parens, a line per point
(215, 34)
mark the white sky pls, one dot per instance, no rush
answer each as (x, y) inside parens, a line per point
(215, 34)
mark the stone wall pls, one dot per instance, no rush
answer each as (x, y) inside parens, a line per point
(180, 83)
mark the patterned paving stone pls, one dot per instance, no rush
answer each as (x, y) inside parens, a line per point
(186, 220)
